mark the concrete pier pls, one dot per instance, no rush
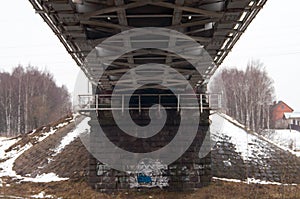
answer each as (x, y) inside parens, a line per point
(186, 173)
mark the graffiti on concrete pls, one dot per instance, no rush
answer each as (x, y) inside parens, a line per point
(143, 179)
(101, 169)
(149, 173)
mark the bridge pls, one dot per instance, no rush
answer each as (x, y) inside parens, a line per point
(192, 37)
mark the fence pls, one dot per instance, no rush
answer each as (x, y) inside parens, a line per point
(102, 102)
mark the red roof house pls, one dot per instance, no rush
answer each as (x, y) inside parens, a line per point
(277, 114)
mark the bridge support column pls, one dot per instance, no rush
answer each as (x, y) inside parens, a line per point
(186, 173)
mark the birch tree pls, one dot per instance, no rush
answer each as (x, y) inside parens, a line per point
(247, 94)
(30, 98)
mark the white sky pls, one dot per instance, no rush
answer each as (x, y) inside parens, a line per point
(273, 37)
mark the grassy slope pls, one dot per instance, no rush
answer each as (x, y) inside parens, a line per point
(218, 189)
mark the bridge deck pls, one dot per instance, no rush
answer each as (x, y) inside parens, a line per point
(82, 24)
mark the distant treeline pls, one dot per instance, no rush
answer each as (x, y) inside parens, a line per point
(30, 98)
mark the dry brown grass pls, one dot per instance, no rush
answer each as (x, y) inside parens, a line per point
(217, 190)
(32, 137)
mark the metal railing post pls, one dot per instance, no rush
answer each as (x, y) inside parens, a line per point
(97, 102)
(159, 103)
(122, 103)
(140, 108)
(208, 99)
(201, 103)
(178, 102)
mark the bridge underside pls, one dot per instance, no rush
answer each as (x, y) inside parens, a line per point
(214, 25)
(82, 24)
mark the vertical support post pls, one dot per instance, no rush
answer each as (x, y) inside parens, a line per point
(122, 103)
(201, 103)
(178, 102)
(140, 108)
(97, 101)
(159, 103)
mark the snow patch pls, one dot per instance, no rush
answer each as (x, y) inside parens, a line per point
(45, 135)
(82, 127)
(53, 130)
(252, 181)
(248, 145)
(5, 143)
(256, 181)
(8, 196)
(6, 167)
(292, 115)
(233, 121)
(42, 195)
(226, 179)
(62, 124)
(45, 177)
(287, 139)
(8, 158)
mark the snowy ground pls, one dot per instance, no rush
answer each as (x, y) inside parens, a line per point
(250, 146)
(289, 139)
(232, 142)
(6, 166)
(8, 158)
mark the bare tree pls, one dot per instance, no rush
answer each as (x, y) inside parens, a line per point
(30, 98)
(247, 94)
(6, 102)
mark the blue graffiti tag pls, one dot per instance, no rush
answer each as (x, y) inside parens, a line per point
(143, 179)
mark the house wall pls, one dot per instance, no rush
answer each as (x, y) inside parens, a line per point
(279, 110)
(281, 124)
(277, 114)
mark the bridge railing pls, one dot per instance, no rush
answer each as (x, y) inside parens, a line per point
(103, 102)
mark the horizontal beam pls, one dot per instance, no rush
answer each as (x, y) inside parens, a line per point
(189, 9)
(114, 9)
(104, 24)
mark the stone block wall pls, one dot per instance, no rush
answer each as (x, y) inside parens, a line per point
(186, 173)
(278, 166)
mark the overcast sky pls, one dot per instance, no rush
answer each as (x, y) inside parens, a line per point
(273, 38)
